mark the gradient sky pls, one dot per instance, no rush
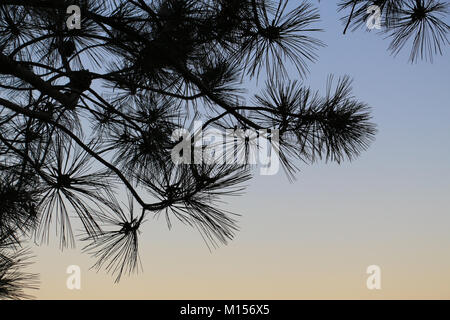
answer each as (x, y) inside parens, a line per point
(314, 238)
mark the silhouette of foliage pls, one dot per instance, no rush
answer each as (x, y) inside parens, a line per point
(421, 21)
(13, 280)
(89, 114)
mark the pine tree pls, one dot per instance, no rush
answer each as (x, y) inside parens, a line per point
(87, 114)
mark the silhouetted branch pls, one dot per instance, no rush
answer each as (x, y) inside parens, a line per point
(88, 113)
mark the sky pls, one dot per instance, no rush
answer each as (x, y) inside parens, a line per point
(314, 238)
